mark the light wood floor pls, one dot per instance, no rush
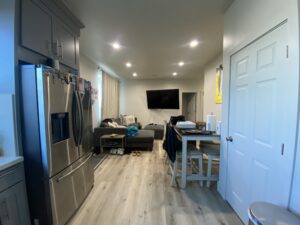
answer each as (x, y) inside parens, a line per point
(132, 190)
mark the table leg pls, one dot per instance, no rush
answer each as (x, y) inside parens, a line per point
(184, 162)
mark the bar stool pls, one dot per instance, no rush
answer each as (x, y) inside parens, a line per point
(192, 155)
(173, 147)
(263, 213)
(212, 151)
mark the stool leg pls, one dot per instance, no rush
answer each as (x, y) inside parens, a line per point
(209, 165)
(200, 169)
(174, 174)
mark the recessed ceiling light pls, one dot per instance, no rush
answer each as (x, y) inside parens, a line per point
(194, 43)
(181, 63)
(134, 74)
(128, 64)
(116, 45)
(174, 74)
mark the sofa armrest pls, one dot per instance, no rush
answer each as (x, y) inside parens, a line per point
(100, 131)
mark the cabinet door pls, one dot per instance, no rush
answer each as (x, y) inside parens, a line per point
(13, 206)
(9, 213)
(36, 28)
(66, 44)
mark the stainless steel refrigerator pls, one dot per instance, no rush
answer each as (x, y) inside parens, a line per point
(57, 142)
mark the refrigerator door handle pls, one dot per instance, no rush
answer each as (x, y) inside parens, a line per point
(81, 119)
(74, 170)
(74, 118)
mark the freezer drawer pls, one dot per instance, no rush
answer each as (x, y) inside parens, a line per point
(69, 188)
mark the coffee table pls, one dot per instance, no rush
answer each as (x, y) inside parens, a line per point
(112, 141)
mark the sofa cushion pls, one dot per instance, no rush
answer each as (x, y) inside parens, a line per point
(158, 130)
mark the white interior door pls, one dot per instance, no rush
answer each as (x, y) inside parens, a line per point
(260, 155)
(192, 105)
(189, 106)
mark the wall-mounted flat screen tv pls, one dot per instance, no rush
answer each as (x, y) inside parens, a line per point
(163, 99)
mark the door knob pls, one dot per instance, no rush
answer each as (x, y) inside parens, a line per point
(229, 139)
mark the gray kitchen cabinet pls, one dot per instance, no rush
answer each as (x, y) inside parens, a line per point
(65, 44)
(36, 28)
(13, 200)
(47, 34)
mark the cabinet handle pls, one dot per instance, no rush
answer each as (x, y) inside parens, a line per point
(282, 149)
(55, 49)
(58, 49)
(61, 51)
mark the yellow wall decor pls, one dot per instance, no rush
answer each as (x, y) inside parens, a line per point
(219, 81)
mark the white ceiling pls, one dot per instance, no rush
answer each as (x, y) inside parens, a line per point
(154, 35)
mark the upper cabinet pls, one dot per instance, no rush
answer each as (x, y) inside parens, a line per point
(64, 44)
(50, 29)
(36, 28)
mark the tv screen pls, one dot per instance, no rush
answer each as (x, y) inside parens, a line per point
(163, 99)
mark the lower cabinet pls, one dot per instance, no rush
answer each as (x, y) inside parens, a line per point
(13, 200)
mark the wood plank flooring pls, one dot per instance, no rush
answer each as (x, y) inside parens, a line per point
(132, 190)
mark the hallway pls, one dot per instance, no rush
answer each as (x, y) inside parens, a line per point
(132, 190)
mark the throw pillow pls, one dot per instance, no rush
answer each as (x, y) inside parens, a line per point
(122, 119)
(112, 125)
(116, 124)
(104, 124)
(132, 131)
(129, 120)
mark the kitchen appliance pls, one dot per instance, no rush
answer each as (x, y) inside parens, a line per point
(57, 142)
(211, 122)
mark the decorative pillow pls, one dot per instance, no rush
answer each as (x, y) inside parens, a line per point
(116, 124)
(132, 131)
(104, 124)
(107, 120)
(122, 119)
(128, 120)
(112, 125)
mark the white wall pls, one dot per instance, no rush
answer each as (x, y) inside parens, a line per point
(209, 102)
(9, 70)
(7, 46)
(244, 22)
(89, 71)
(133, 98)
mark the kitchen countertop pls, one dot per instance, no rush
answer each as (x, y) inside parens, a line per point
(8, 161)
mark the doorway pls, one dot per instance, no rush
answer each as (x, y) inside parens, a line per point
(189, 106)
(260, 141)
